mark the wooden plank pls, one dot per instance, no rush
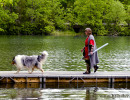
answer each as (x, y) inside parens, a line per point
(120, 80)
(64, 76)
(20, 79)
(51, 79)
(33, 79)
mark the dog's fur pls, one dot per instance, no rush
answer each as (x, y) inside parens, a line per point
(30, 62)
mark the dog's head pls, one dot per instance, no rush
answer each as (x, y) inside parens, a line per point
(13, 61)
(44, 53)
(43, 56)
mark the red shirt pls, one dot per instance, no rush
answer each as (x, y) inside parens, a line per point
(86, 47)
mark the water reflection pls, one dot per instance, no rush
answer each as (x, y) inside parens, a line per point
(65, 91)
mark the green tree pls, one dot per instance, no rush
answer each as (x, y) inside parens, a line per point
(34, 16)
(127, 31)
(105, 17)
(115, 17)
(7, 21)
(39, 16)
(101, 15)
(67, 3)
(90, 13)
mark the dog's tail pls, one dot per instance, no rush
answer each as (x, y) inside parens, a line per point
(13, 61)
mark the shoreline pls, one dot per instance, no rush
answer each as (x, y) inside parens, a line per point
(60, 33)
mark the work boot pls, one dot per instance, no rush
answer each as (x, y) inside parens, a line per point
(95, 68)
(88, 70)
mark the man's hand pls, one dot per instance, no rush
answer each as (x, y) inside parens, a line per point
(91, 53)
(82, 50)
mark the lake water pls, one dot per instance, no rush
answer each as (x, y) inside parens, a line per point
(65, 91)
(64, 55)
(65, 52)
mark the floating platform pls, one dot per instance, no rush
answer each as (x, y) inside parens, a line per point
(64, 76)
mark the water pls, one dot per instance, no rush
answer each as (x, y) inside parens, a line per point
(68, 91)
(64, 55)
(64, 52)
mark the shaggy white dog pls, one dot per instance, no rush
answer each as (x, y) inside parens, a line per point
(30, 62)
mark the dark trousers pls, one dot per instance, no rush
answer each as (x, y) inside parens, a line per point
(89, 67)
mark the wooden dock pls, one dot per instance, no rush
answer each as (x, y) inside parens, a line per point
(64, 76)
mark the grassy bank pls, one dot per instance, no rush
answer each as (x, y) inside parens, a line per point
(65, 33)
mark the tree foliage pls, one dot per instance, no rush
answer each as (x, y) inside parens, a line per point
(27, 17)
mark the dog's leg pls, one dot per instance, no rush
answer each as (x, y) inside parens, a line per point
(29, 71)
(40, 67)
(42, 70)
(17, 71)
(32, 70)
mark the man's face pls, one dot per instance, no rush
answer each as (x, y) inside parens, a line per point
(87, 32)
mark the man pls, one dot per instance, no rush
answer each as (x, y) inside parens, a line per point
(90, 46)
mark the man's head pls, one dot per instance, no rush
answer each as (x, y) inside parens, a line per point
(88, 31)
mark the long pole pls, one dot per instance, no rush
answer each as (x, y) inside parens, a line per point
(96, 50)
(99, 48)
